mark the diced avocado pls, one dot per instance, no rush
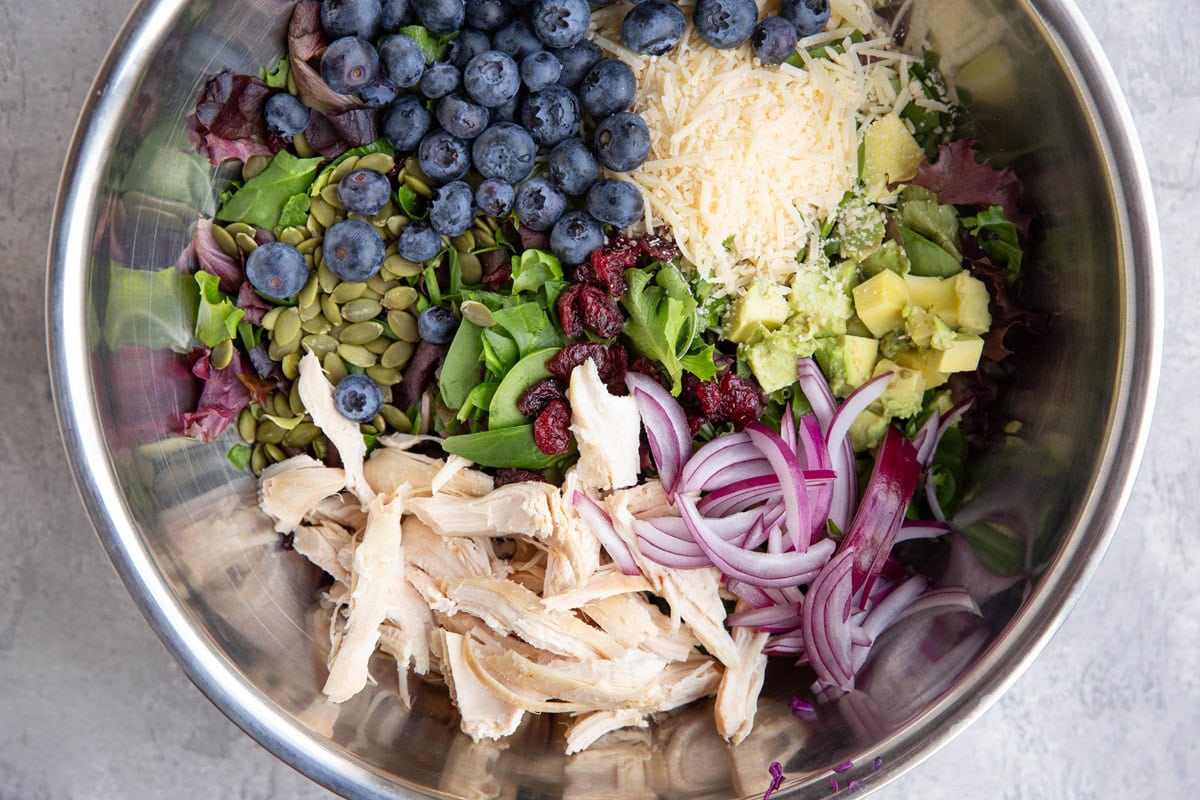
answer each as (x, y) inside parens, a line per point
(889, 256)
(920, 360)
(847, 361)
(772, 355)
(891, 155)
(822, 300)
(879, 302)
(930, 293)
(859, 229)
(963, 355)
(972, 304)
(926, 329)
(867, 430)
(903, 395)
(762, 304)
(855, 327)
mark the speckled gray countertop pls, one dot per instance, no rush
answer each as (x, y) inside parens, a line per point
(91, 706)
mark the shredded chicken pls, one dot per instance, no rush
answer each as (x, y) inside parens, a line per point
(607, 429)
(737, 699)
(484, 716)
(317, 395)
(289, 490)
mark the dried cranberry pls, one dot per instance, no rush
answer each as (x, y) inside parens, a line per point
(612, 371)
(507, 475)
(538, 396)
(659, 245)
(568, 311)
(497, 267)
(740, 403)
(551, 430)
(599, 312)
(644, 366)
(695, 421)
(571, 356)
(609, 263)
(613, 281)
(704, 396)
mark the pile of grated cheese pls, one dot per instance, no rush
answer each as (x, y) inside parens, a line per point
(747, 160)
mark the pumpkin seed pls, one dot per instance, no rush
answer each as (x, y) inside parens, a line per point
(464, 242)
(254, 165)
(403, 325)
(357, 355)
(397, 266)
(330, 310)
(319, 344)
(308, 295)
(291, 366)
(368, 430)
(417, 185)
(310, 244)
(301, 144)
(397, 354)
(322, 212)
(275, 454)
(384, 376)
(294, 402)
(334, 367)
(380, 162)
(379, 284)
(287, 328)
(379, 346)
(314, 225)
(387, 393)
(271, 317)
(225, 241)
(470, 268)
(361, 332)
(269, 433)
(245, 243)
(235, 228)
(293, 236)
(477, 313)
(317, 325)
(362, 309)
(283, 408)
(221, 355)
(246, 426)
(309, 312)
(399, 298)
(320, 447)
(277, 352)
(396, 418)
(343, 169)
(345, 292)
(330, 195)
(302, 435)
(326, 279)
(395, 224)
(258, 457)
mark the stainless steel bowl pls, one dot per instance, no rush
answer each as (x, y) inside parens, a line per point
(207, 572)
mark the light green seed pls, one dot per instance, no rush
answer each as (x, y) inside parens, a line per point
(283, 408)
(269, 433)
(343, 169)
(361, 332)
(368, 430)
(397, 266)
(287, 328)
(379, 346)
(396, 419)
(319, 344)
(258, 459)
(417, 185)
(314, 225)
(403, 325)
(291, 366)
(334, 367)
(322, 212)
(331, 311)
(326, 279)
(308, 295)
(317, 325)
(330, 195)
(384, 376)
(221, 355)
(361, 309)
(357, 355)
(294, 402)
(275, 454)
(309, 312)
(464, 243)
(235, 228)
(246, 243)
(397, 354)
(380, 162)
(254, 166)
(320, 447)
(471, 269)
(477, 313)
(246, 426)
(271, 317)
(293, 236)
(299, 142)
(345, 292)
(302, 435)
(310, 243)
(277, 353)
(225, 241)
(395, 224)
(399, 298)
(379, 284)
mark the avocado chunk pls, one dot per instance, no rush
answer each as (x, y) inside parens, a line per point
(867, 430)
(927, 330)
(962, 356)
(762, 304)
(821, 298)
(904, 393)
(859, 229)
(847, 361)
(921, 360)
(880, 301)
(772, 355)
(971, 302)
(891, 155)
(889, 256)
(930, 293)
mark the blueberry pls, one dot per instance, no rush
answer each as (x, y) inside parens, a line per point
(403, 60)
(575, 236)
(394, 14)
(809, 16)
(460, 117)
(378, 94)
(539, 204)
(439, 80)
(466, 46)
(419, 242)
(505, 151)
(349, 64)
(276, 270)
(653, 27)
(488, 15)
(358, 398)
(406, 122)
(492, 78)
(353, 250)
(440, 16)
(452, 209)
(551, 115)
(573, 168)
(437, 325)
(364, 191)
(350, 18)
(774, 40)
(539, 70)
(560, 23)
(495, 197)
(622, 141)
(618, 203)
(516, 39)
(285, 115)
(576, 60)
(510, 110)
(443, 157)
(725, 23)
(608, 87)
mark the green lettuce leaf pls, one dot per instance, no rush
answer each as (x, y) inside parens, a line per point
(532, 269)
(217, 317)
(1001, 243)
(658, 313)
(277, 78)
(261, 200)
(700, 363)
(295, 211)
(239, 456)
(926, 258)
(530, 327)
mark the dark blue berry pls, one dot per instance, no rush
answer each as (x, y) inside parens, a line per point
(809, 16)
(622, 141)
(516, 39)
(459, 117)
(539, 70)
(617, 203)
(403, 60)
(495, 197)
(437, 325)
(419, 242)
(406, 122)
(466, 46)
(774, 40)
(608, 87)
(492, 78)
(358, 398)
(539, 204)
(653, 27)
(510, 110)
(349, 64)
(276, 270)
(440, 16)
(350, 18)
(440, 80)
(576, 61)
(573, 168)
(452, 209)
(353, 250)
(364, 191)
(725, 23)
(443, 157)
(575, 236)
(285, 115)
(560, 23)
(395, 14)
(551, 115)
(378, 94)
(505, 151)
(488, 15)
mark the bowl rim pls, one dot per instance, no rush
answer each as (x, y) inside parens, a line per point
(993, 673)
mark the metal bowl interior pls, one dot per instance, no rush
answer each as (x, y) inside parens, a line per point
(181, 525)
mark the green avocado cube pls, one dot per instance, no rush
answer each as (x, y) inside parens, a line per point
(903, 395)
(847, 361)
(762, 304)
(867, 430)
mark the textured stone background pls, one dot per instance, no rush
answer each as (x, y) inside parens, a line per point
(91, 706)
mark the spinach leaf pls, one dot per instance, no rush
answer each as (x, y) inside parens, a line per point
(504, 447)
(478, 400)
(998, 238)
(217, 317)
(532, 269)
(503, 410)
(261, 200)
(529, 326)
(411, 203)
(499, 352)
(460, 370)
(658, 313)
(295, 211)
(926, 258)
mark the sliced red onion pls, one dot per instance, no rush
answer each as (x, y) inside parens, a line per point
(601, 524)
(811, 444)
(935, 505)
(882, 615)
(775, 619)
(824, 614)
(670, 559)
(739, 496)
(950, 598)
(752, 595)
(923, 529)
(666, 426)
(788, 644)
(925, 440)
(731, 528)
(708, 469)
(659, 534)
(787, 428)
(791, 483)
(785, 595)
(755, 467)
(837, 440)
(776, 770)
(816, 391)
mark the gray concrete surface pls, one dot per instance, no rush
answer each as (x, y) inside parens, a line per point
(91, 706)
